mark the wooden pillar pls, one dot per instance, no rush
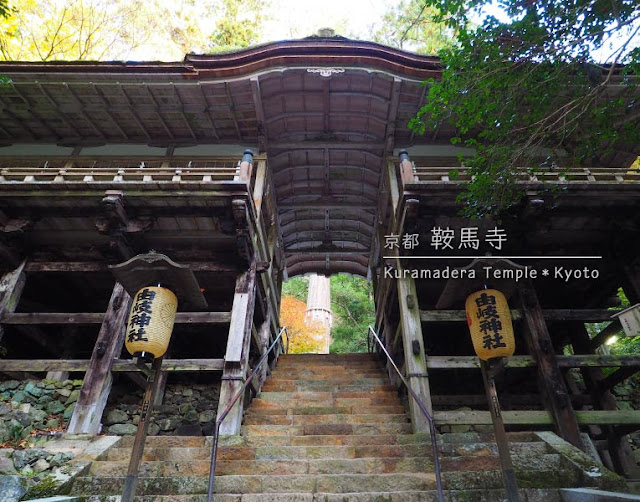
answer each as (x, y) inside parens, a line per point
(414, 355)
(11, 286)
(97, 380)
(236, 359)
(264, 337)
(554, 391)
(631, 282)
(618, 445)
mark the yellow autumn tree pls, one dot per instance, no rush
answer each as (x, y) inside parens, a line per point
(304, 336)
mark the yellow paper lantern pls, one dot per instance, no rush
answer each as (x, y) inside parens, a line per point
(151, 321)
(489, 320)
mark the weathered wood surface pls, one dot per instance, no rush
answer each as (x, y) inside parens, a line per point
(119, 365)
(97, 381)
(578, 361)
(550, 381)
(536, 417)
(414, 354)
(97, 318)
(584, 315)
(237, 354)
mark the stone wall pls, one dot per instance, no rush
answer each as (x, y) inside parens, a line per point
(35, 405)
(186, 410)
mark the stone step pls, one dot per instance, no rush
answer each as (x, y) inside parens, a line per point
(326, 372)
(326, 410)
(326, 429)
(268, 400)
(477, 495)
(168, 441)
(354, 356)
(303, 451)
(323, 419)
(269, 466)
(352, 369)
(324, 440)
(335, 377)
(323, 386)
(260, 484)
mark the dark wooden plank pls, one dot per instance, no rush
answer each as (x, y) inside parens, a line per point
(97, 318)
(617, 377)
(612, 329)
(536, 417)
(97, 381)
(119, 365)
(584, 315)
(577, 361)
(550, 381)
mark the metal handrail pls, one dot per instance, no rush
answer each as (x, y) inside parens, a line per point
(225, 412)
(423, 409)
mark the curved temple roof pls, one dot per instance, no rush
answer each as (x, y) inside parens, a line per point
(327, 111)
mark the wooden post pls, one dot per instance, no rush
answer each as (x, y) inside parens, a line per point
(550, 381)
(406, 169)
(414, 355)
(618, 446)
(237, 356)
(260, 187)
(11, 286)
(97, 380)
(150, 395)
(508, 474)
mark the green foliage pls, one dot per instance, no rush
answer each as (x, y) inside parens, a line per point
(513, 89)
(409, 25)
(352, 306)
(353, 311)
(239, 25)
(298, 287)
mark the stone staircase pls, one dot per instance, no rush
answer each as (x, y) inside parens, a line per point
(329, 428)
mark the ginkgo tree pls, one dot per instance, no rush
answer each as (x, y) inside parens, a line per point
(305, 336)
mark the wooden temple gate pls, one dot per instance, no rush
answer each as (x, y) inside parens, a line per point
(105, 161)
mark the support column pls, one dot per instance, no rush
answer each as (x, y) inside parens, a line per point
(97, 380)
(11, 286)
(236, 359)
(414, 355)
(618, 445)
(550, 381)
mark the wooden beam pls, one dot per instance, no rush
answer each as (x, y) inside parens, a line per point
(84, 267)
(414, 353)
(583, 315)
(535, 417)
(97, 381)
(97, 318)
(617, 377)
(618, 446)
(237, 354)
(612, 329)
(577, 361)
(550, 381)
(11, 287)
(119, 365)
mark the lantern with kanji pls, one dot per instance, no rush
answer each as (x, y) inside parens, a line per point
(151, 321)
(489, 320)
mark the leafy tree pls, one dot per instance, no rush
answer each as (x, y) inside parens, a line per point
(100, 29)
(353, 312)
(535, 82)
(239, 26)
(304, 335)
(298, 287)
(410, 25)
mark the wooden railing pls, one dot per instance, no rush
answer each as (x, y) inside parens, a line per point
(535, 175)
